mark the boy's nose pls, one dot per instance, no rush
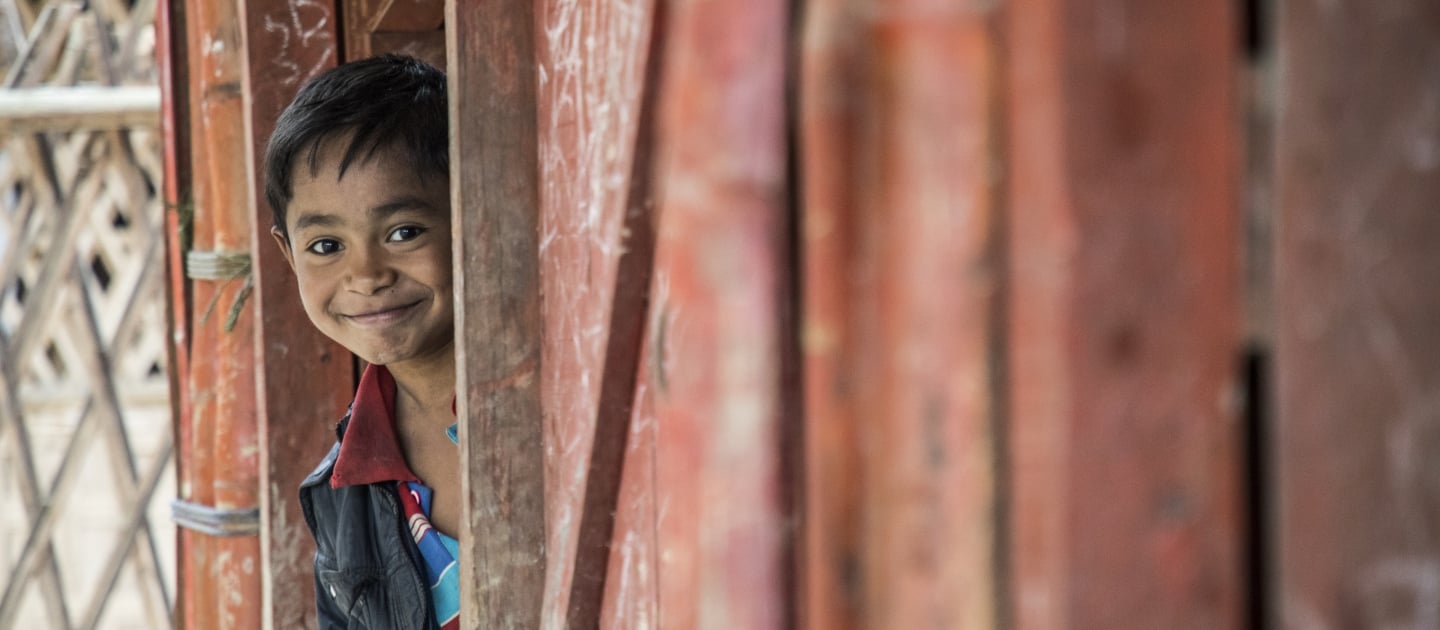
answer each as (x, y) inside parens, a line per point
(369, 270)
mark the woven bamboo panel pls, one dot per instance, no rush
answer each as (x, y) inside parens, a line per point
(85, 434)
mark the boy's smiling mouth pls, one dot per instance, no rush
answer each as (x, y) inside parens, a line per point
(383, 316)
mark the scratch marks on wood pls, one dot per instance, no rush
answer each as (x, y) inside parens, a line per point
(304, 29)
(591, 63)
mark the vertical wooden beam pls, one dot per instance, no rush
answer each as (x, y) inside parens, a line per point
(173, 63)
(304, 380)
(719, 294)
(901, 329)
(495, 203)
(410, 27)
(595, 259)
(1358, 348)
(830, 573)
(1123, 314)
(926, 260)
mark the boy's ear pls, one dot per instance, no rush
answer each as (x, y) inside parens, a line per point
(284, 242)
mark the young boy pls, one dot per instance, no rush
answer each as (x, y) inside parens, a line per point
(357, 172)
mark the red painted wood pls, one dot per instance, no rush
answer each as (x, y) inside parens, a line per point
(829, 595)
(1357, 347)
(304, 380)
(901, 259)
(495, 201)
(632, 590)
(714, 355)
(1123, 318)
(926, 261)
(591, 66)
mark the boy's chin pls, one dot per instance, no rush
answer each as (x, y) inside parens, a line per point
(393, 355)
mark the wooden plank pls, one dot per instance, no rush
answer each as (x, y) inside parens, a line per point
(409, 27)
(924, 354)
(304, 379)
(830, 573)
(495, 205)
(595, 258)
(901, 259)
(428, 46)
(172, 63)
(1357, 347)
(1123, 314)
(717, 300)
(411, 16)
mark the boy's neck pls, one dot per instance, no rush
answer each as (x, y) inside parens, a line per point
(425, 386)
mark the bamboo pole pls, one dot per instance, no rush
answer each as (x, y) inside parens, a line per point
(64, 109)
(222, 384)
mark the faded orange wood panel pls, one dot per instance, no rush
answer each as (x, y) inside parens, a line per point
(305, 380)
(591, 58)
(1358, 347)
(495, 202)
(1123, 314)
(714, 328)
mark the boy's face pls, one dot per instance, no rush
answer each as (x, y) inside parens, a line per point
(371, 254)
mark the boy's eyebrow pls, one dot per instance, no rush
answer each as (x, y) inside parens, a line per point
(394, 206)
(311, 219)
(401, 204)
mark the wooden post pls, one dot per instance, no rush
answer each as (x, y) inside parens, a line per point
(1123, 314)
(304, 380)
(495, 204)
(831, 578)
(596, 213)
(173, 64)
(900, 328)
(720, 292)
(925, 265)
(1357, 345)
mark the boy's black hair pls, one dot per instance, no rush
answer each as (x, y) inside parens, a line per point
(388, 102)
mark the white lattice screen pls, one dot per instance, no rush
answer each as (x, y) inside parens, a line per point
(85, 435)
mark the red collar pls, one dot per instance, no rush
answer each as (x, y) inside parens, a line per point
(369, 452)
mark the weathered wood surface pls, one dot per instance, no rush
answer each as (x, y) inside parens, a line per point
(1358, 347)
(829, 564)
(172, 60)
(900, 325)
(925, 265)
(410, 27)
(1123, 321)
(712, 387)
(495, 204)
(304, 379)
(595, 251)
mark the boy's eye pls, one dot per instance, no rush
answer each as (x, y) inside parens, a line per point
(324, 247)
(405, 233)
